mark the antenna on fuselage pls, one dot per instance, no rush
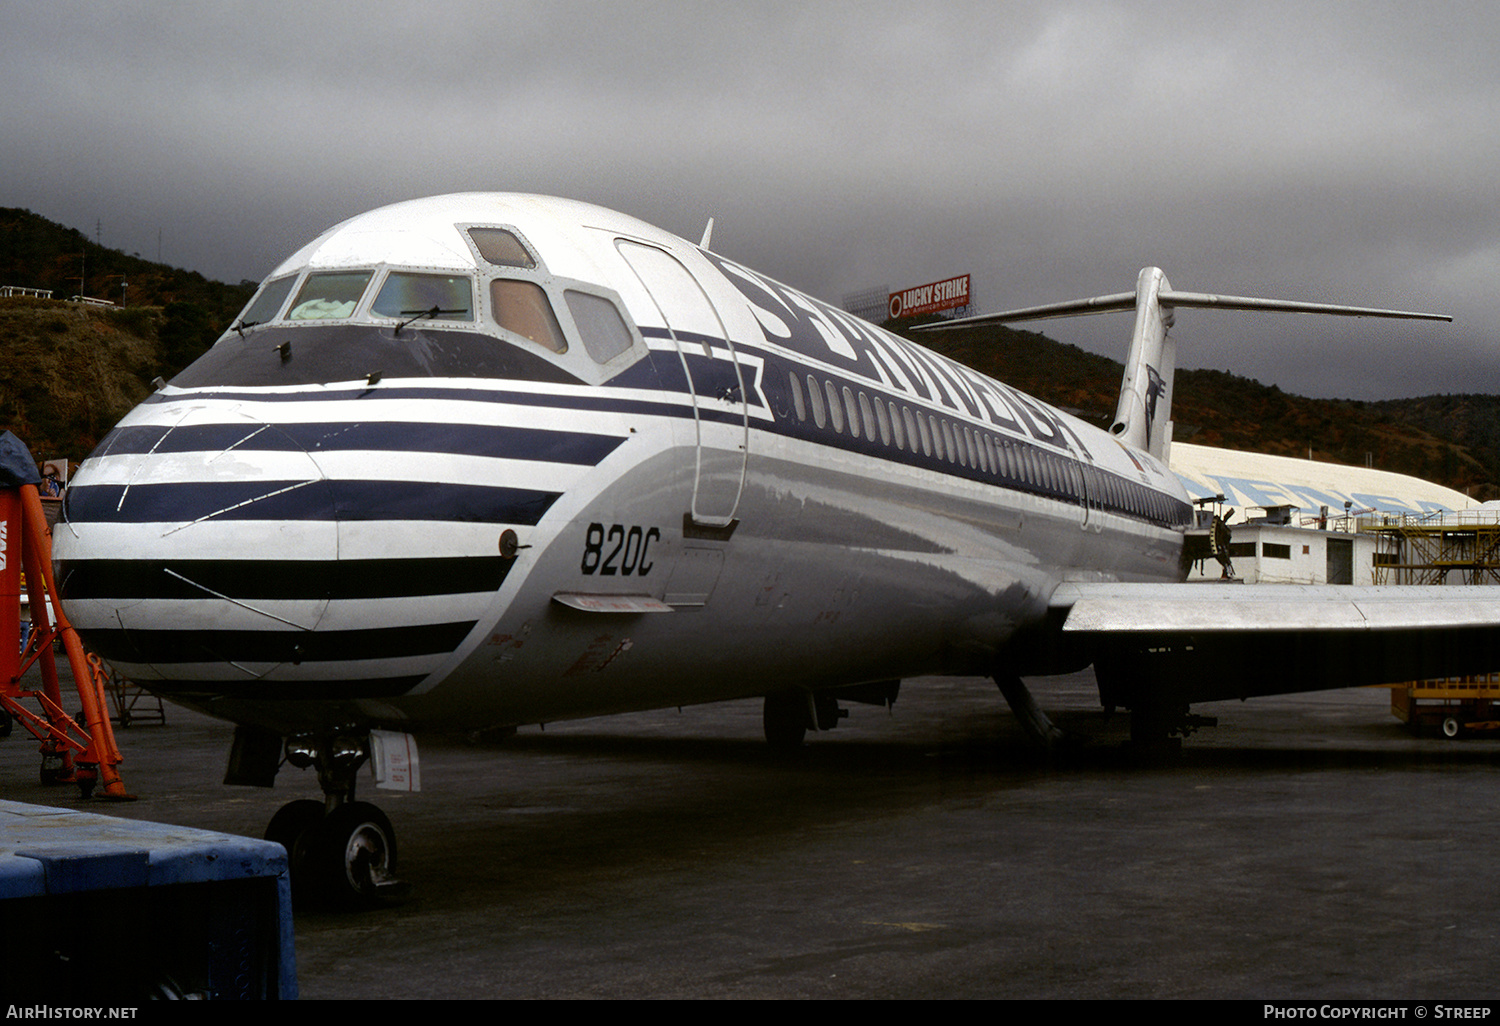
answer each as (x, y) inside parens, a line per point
(708, 231)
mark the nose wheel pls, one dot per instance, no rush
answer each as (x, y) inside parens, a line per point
(342, 851)
(349, 856)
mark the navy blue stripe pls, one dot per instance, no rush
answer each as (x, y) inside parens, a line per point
(383, 436)
(713, 377)
(785, 423)
(283, 579)
(575, 401)
(283, 646)
(283, 690)
(299, 500)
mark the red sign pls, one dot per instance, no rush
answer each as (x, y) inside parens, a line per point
(925, 299)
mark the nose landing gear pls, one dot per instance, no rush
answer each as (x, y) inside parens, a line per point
(343, 852)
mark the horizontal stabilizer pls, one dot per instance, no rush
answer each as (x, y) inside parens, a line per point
(1072, 308)
(1203, 300)
(1199, 300)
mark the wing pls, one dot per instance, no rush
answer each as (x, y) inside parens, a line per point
(1183, 643)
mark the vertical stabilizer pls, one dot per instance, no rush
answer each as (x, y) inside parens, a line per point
(1143, 418)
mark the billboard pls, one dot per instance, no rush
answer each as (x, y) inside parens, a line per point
(948, 294)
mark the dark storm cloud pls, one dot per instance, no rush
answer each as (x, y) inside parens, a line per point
(1337, 152)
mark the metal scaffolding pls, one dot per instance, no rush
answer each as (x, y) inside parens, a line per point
(1431, 549)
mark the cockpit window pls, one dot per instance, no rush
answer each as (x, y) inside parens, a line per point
(501, 247)
(600, 325)
(329, 295)
(266, 305)
(441, 297)
(522, 307)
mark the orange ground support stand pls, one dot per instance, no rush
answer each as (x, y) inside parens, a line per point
(1454, 705)
(84, 754)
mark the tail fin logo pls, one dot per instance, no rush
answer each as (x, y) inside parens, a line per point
(1156, 387)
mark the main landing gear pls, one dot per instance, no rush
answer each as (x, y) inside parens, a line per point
(1161, 727)
(789, 715)
(343, 852)
(1039, 729)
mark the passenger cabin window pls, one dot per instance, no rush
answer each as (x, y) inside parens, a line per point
(444, 297)
(330, 295)
(501, 247)
(835, 411)
(267, 305)
(522, 307)
(600, 325)
(797, 401)
(815, 396)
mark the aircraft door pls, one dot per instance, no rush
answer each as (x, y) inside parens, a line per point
(715, 380)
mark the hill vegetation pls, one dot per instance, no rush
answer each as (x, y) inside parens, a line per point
(40, 254)
(72, 371)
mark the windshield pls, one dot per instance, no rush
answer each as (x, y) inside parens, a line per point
(329, 296)
(444, 297)
(265, 305)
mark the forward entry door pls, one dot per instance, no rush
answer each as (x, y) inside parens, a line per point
(715, 380)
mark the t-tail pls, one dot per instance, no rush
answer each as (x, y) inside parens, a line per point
(1143, 416)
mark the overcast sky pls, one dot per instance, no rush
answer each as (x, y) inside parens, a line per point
(1335, 152)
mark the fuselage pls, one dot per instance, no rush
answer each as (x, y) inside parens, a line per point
(494, 459)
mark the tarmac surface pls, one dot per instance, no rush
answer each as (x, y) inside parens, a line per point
(1308, 847)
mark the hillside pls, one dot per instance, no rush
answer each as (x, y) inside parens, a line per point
(40, 254)
(72, 371)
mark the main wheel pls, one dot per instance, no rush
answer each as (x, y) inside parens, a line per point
(348, 858)
(1451, 727)
(785, 720)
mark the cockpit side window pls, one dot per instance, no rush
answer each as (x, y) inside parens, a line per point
(501, 247)
(600, 325)
(522, 307)
(442, 297)
(329, 295)
(266, 305)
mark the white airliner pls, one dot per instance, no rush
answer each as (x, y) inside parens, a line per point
(485, 460)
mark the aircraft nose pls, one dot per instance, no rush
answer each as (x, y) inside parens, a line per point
(291, 552)
(198, 545)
